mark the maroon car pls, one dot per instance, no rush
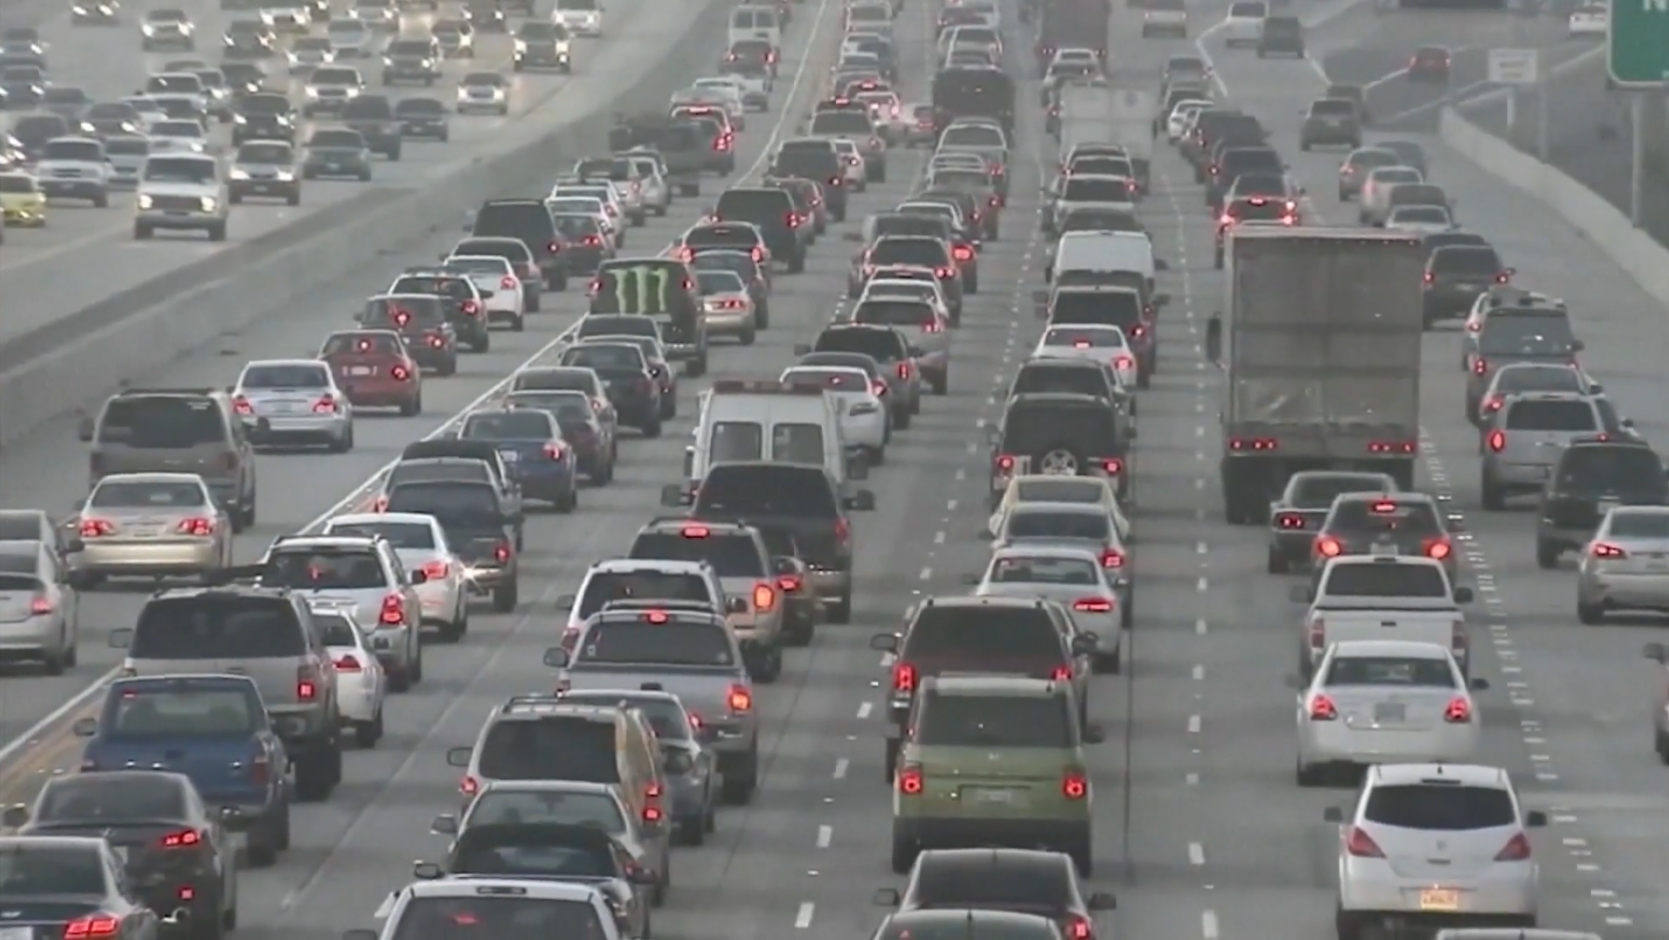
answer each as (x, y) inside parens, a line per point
(375, 369)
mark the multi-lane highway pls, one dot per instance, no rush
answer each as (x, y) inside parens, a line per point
(1200, 828)
(48, 272)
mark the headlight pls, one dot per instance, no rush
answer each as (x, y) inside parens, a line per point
(562, 47)
(79, 9)
(285, 176)
(521, 46)
(144, 201)
(498, 94)
(229, 41)
(427, 64)
(208, 203)
(187, 28)
(388, 60)
(239, 119)
(148, 29)
(240, 174)
(105, 9)
(283, 119)
(353, 92)
(311, 92)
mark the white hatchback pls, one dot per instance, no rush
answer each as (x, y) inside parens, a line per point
(495, 279)
(864, 419)
(1095, 341)
(361, 683)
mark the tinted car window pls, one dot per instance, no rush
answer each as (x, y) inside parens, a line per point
(607, 586)
(732, 556)
(994, 721)
(1552, 416)
(162, 422)
(1031, 426)
(452, 918)
(1048, 524)
(776, 490)
(1319, 492)
(690, 644)
(216, 628)
(1615, 468)
(1532, 335)
(1391, 672)
(1382, 580)
(1442, 807)
(551, 748)
(884, 345)
(129, 797)
(997, 633)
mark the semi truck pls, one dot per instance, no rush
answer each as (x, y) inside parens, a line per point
(1320, 341)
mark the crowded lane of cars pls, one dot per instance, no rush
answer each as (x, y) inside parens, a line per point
(108, 64)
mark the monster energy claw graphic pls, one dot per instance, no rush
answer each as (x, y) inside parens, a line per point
(647, 283)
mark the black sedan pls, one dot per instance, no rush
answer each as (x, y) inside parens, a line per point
(66, 886)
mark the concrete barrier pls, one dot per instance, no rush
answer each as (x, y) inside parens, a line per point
(1635, 252)
(78, 360)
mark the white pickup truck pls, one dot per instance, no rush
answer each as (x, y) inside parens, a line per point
(1381, 597)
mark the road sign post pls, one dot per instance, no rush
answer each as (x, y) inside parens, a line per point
(1637, 43)
(1514, 68)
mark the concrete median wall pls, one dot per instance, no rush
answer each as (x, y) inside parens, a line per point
(1646, 261)
(78, 360)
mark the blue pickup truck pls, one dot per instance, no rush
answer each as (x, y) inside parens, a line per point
(212, 728)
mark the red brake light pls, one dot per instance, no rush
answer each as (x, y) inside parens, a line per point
(652, 814)
(242, 406)
(1497, 441)
(593, 241)
(1458, 712)
(400, 317)
(1430, 278)
(842, 531)
(399, 373)
(1439, 549)
(1075, 785)
(695, 532)
(1392, 447)
(904, 677)
(1290, 520)
(764, 597)
(327, 404)
(1494, 404)
(393, 610)
(1112, 558)
(198, 526)
(1112, 466)
(1328, 547)
(962, 253)
(93, 925)
(1503, 277)
(40, 606)
(792, 220)
(348, 663)
(1005, 463)
(502, 553)
(910, 780)
(185, 838)
(904, 371)
(307, 691)
(1606, 550)
(1361, 845)
(1254, 443)
(790, 583)
(1383, 506)
(1122, 361)
(1480, 365)
(1093, 605)
(1323, 709)
(944, 273)
(932, 326)
(1079, 929)
(469, 786)
(470, 308)
(739, 699)
(1517, 849)
(553, 451)
(507, 283)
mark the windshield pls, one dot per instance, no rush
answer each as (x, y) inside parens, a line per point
(719, 282)
(1024, 569)
(774, 490)
(1532, 335)
(292, 375)
(29, 871)
(400, 535)
(146, 710)
(1318, 492)
(672, 644)
(1378, 579)
(324, 569)
(216, 628)
(83, 798)
(161, 422)
(1441, 807)
(89, 151)
(1045, 523)
(1555, 415)
(484, 917)
(1005, 721)
(1035, 428)
(1391, 671)
(732, 556)
(180, 170)
(508, 426)
(526, 807)
(265, 153)
(643, 585)
(115, 493)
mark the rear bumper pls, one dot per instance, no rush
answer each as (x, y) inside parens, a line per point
(150, 559)
(931, 832)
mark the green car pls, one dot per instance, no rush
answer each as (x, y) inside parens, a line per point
(993, 760)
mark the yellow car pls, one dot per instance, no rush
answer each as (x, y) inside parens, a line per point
(22, 204)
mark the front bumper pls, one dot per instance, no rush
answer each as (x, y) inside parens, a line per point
(180, 220)
(1609, 589)
(73, 188)
(269, 188)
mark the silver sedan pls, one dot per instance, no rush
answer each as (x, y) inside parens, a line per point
(1626, 565)
(294, 401)
(1384, 701)
(1073, 577)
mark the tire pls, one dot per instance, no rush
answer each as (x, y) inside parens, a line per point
(739, 790)
(1590, 614)
(691, 829)
(1547, 555)
(748, 338)
(904, 852)
(505, 598)
(797, 263)
(368, 733)
(1278, 563)
(318, 772)
(841, 610)
(101, 201)
(518, 325)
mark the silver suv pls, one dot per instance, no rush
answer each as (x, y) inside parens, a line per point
(361, 576)
(267, 635)
(1522, 442)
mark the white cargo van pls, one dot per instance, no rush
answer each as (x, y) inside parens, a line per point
(753, 23)
(1104, 252)
(745, 421)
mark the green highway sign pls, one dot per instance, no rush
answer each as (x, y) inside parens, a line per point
(1637, 43)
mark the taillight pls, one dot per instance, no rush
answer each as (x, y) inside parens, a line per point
(242, 406)
(764, 598)
(94, 528)
(1607, 550)
(1124, 362)
(184, 839)
(1458, 711)
(553, 451)
(1075, 785)
(962, 253)
(1093, 605)
(507, 283)
(380, 504)
(1497, 441)
(793, 220)
(1323, 709)
(1360, 844)
(1494, 403)
(436, 340)
(436, 570)
(1112, 558)
(93, 925)
(593, 241)
(1517, 849)
(470, 308)
(1430, 278)
(1112, 466)
(393, 610)
(1254, 444)
(1290, 520)
(878, 387)
(910, 780)
(842, 531)
(327, 405)
(399, 373)
(739, 699)
(1079, 929)
(306, 690)
(653, 814)
(1318, 634)
(348, 663)
(598, 404)
(1439, 549)
(721, 143)
(1328, 547)
(1480, 365)
(196, 526)
(790, 583)
(1005, 463)
(469, 786)
(1061, 674)
(932, 326)
(904, 677)
(40, 606)
(944, 274)
(260, 770)
(1503, 277)
(904, 371)
(501, 553)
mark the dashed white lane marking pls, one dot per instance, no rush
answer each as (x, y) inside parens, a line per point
(803, 916)
(1199, 672)
(864, 709)
(1208, 924)
(843, 765)
(825, 834)
(1193, 724)
(1196, 853)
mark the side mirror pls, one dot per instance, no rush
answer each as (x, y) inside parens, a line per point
(557, 658)
(15, 815)
(1578, 345)
(1535, 819)
(459, 756)
(85, 727)
(1463, 595)
(1293, 681)
(861, 501)
(1332, 814)
(735, 605)
(1300, 594)
(444, 825)
(427, 871)
(1084, 644)
(1094, 733)
(1103, 901)
(1479, 685)
(121, 638)
(801, 349)
(84, 430)
(886, 897)
(1160, 264)
(381, 643)
(1655, 652)
(782, 564)
(1595, 388)
(672, 495)
(884, 642)
(417, 577)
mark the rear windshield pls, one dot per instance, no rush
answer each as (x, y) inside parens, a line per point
(893, 313)
(1612, 469)
(918, 252)
(676, 644)
(1391, 672)
(995, 634)
(881, 344)
(409, 535)
(511, 808)
(732, 556)
(1119, 308)
(367, 343)
(33, 871)
(994, 721)
(613, 357)
(1442, 807)
(162, 422)
(841, 122)
(117, 799)
(159, 495)
(1520, 335)
(324, 569)
(1037, 427)
(1045, 524)
(144, 709)
(606, 586)
(1639, 525)
(550, 748)
(1466, 259)
(1319, 492)
(507, 426)
(1090, 189)
(1385, 515)
(1253, 159)
(767, 491)
(1387, 580)
(19, 527)
(1539, 379)
(669, 721)
(1557, 415)
(1333, 107)
(210, 627)
(450, 501)
(514, 219)
(1080, 380)
(1020, 569)
(285, 376)
(1083, 338)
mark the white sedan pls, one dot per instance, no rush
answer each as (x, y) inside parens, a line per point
(1375, 201)
(496, 281)
(1384, 702)
(852, 163)
(1075, 578)
(1176, 125)
(361, 683)
(865, 422)
(1590, 21)
(420, 543)
(1100, 342)
(1421, 220)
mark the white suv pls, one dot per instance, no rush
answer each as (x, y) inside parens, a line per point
(181, 191)
(621, 579)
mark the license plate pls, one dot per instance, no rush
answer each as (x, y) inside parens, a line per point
(361, 370)
(1439, 899)
(1384, 548)
(147, 531)
(996, 795)
(1389, 711)
(510, 456)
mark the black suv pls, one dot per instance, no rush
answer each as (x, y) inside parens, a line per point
(478, 522)
(1455, 277)
(263, 116)
(815, 159)
(1590, 478)
(530, 221)
(772, 211)
(632, 388)
(1061, 433)
(373, 116)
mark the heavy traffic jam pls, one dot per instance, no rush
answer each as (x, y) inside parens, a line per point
(880, 238)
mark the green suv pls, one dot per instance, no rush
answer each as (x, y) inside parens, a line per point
(993, 760)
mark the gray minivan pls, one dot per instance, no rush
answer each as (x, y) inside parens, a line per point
(176, 430)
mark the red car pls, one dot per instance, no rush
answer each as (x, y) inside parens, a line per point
(1429, 64)
(375, 369)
